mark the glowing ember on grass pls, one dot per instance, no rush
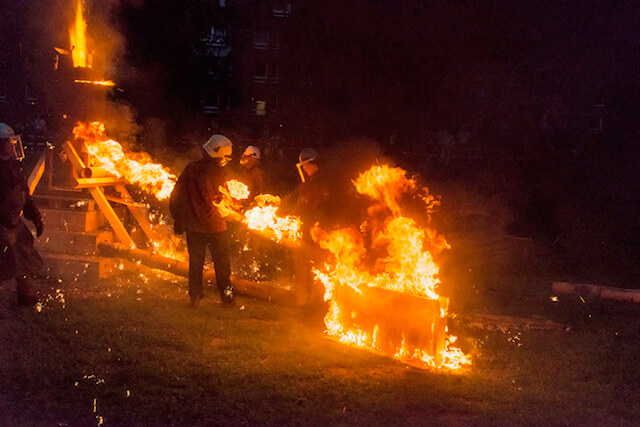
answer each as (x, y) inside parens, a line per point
(362, 287)
(136, 168)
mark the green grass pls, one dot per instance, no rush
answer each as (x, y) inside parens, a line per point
(147, 359)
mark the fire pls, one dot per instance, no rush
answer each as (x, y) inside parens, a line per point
(264, 217)
(402, 277)
(136, 168)
(230, 195)
(78, 38)
(107, 83)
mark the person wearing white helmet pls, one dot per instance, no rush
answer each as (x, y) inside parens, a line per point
(251, 173)
(193, 210)
(18, 258)
(309, 202)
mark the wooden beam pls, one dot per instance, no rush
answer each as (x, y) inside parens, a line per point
(139, 214)
(97, 182)
(99, 197)
(606, 292)
(36, 173)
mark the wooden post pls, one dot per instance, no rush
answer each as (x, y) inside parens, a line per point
(36, 173)
(99, 197)
(138, 214)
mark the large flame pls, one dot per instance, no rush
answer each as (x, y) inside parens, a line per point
(135, 168)
(263, 217)
(78, 38)
(390, 252)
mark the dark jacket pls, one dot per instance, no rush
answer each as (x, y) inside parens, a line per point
(192, 199)
(14, 195)
(17, 255)
(309, 201)
(255, 179)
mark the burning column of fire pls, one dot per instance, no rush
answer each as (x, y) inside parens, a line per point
(77, 36)
(136, 168)
(80, 55)
(407, 267)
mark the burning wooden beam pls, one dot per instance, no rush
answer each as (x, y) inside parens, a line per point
(98, 182)
(263, 290)
(36, 173)
(99, 197)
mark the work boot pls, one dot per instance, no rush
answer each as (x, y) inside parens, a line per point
(195, 301)
(26, 295)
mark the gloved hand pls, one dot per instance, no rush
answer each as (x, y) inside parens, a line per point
(177, 228)
(39, 227)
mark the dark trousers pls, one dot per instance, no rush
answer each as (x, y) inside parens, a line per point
(218, 245)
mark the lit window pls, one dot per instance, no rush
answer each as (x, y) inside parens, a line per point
(260, 107)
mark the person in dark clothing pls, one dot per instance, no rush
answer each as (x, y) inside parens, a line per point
(18, 258)
(251, 173)
(308, 201)
(193, 210)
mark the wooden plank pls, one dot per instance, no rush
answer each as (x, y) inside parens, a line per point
(139, 214)
(99, 197)
(97, 182)
(36, 173)
(606, 292)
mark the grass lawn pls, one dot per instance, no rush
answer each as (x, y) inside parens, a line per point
(129, 351)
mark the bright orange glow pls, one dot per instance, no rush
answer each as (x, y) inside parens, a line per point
(135, 168)
(78, 38)
(230, 194)
(108, 83)
(263, 217)
(404, 265)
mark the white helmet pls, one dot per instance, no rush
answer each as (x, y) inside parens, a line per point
(307, 155)
(219, 147)
(6, 132)
(252, 151)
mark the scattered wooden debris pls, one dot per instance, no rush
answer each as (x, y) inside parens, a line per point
(606, 292)
(494, 322)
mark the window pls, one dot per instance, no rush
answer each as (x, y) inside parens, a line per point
(216, 37)
(210, 102)
(3, 92)
(30, 96)
(260, 71)
(281, 8)
(259, 107)
(275, 71)
(274, 103)
(275, 40)
(261, 39)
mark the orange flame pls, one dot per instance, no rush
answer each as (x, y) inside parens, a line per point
(404, 265)
(107, 83)
(136, 168)
(78, 38)
(230, 194)
(263, 217)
